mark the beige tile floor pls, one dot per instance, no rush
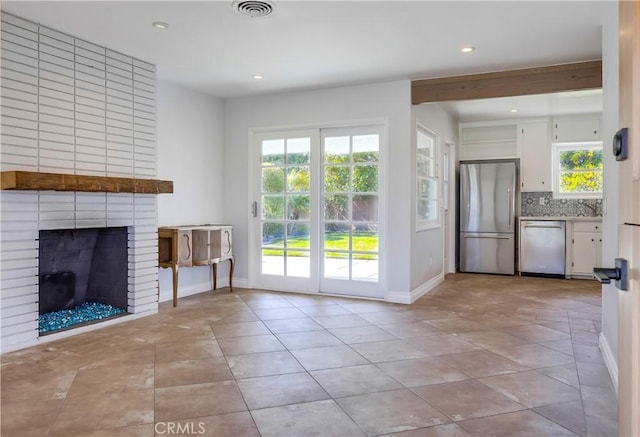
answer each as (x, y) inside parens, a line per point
(478, 356)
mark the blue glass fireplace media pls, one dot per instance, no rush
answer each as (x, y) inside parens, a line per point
(87, 312)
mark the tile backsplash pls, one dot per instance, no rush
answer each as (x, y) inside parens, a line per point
(531, 206)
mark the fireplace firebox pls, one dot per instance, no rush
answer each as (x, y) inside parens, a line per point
(83, 276)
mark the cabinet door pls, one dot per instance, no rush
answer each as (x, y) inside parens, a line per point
(200, 247)
(221, 242)
(574, 129)
(535, 162)
(585, 251)
(488, 142)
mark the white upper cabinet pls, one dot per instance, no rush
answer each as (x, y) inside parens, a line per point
(535, 156)
(488, 141)
(577, 128)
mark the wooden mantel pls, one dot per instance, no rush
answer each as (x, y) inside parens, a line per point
(29, 180)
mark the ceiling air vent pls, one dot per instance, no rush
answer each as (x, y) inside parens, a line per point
(253, 8)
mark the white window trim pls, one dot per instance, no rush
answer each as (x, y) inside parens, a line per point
(425, 225)
(555, 169)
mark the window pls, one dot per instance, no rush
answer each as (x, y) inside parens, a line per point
(427, 189)
(577, 169)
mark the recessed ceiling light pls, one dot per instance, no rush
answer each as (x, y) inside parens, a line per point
(514, 110)
(257, 76)
(160, 25)
(467, 49)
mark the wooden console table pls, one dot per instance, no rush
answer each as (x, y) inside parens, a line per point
(188, 246)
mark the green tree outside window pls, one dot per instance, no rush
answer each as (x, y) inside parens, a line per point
(580, 171)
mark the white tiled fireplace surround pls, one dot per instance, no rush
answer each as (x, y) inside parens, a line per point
(72, 107)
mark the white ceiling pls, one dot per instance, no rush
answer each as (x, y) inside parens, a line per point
(315, 44)
(539, 105)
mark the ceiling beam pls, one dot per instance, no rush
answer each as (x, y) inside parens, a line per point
(539, 80)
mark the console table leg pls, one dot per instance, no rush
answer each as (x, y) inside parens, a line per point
(215, 275)
(174, 268)
(232, 261)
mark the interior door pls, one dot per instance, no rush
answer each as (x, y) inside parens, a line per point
(629, 224)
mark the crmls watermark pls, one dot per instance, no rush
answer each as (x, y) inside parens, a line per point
(183, 428)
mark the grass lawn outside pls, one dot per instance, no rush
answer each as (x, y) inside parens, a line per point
(333, 241)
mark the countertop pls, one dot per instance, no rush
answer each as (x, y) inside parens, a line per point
(565, 218)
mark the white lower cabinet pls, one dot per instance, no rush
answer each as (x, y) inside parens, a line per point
(586, 248)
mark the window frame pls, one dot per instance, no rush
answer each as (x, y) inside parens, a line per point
(556, 149)
(423, 224)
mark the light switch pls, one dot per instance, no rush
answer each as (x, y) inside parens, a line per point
(541, 201)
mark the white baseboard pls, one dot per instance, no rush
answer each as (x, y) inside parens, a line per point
(397, 297)
(240, 282)
(185, 291)
(609, 360)
(203, 287)
(417, 293)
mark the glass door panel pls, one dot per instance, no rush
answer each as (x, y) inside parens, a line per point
(286, 211)
(351, 211)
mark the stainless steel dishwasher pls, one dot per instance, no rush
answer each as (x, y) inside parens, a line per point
(542, 247)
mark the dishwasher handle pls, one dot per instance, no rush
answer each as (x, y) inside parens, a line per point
(544, 227)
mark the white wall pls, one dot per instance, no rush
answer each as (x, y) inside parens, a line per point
(610, 219)
(427, 247)
(191, 154)
(60, 116)
(390, 100)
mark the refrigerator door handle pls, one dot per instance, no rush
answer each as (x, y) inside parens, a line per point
(485, 236)
(510, 219)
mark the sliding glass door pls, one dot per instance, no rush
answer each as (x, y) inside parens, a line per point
(317, 211)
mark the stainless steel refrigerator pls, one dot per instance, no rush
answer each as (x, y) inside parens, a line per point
(488, 193)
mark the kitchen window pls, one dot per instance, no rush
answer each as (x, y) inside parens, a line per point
(427, 189)
(577, 170)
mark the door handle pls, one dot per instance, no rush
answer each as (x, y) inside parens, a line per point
(254, 209)
(619, 273)
(481, 236)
